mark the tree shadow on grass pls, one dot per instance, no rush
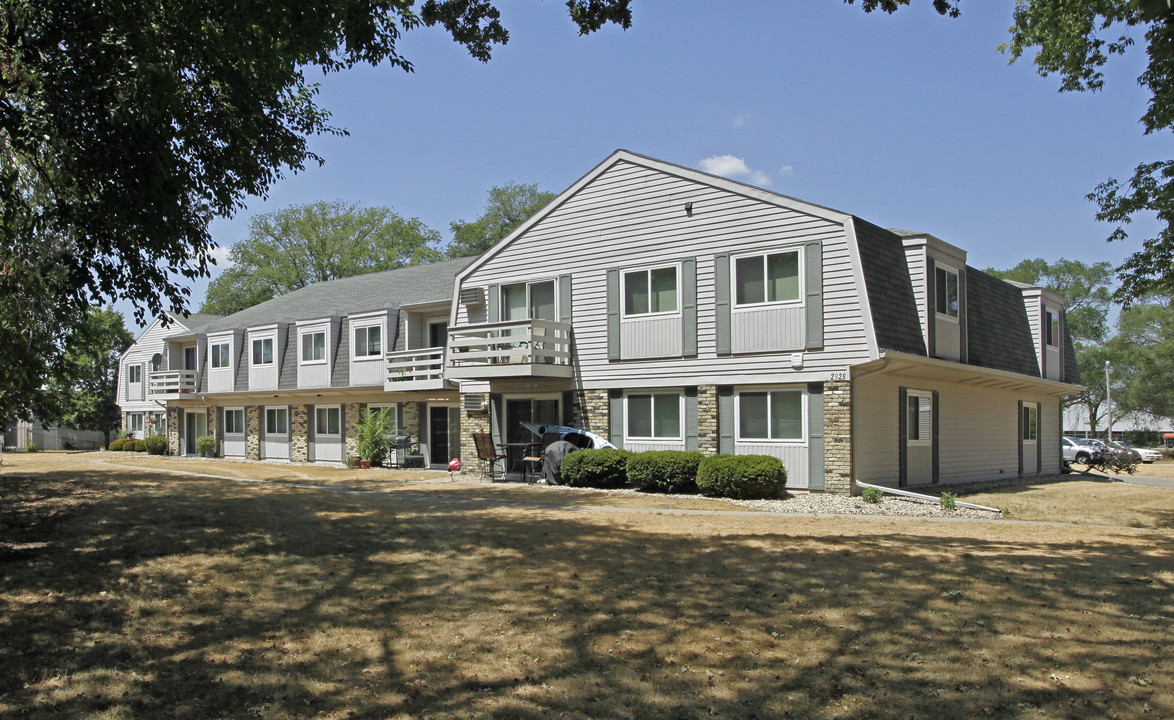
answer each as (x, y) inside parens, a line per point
(202, 599)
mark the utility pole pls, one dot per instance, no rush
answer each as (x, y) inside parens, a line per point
(1109, 397)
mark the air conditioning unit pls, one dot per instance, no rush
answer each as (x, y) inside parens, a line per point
(473, 296)
(472, 402)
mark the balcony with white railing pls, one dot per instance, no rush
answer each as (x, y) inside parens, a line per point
(527, 348)
(171, 384)
(420, 369)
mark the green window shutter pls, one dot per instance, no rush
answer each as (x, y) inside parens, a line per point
(691, 418)
(615, 419)
(564, 299)
(816, 460)
(934, 410)
(613, 314)
(725, 419)
(931, 285)
(813, 256)
(422, 432)
(1019, 434)
(902, 437)
(491, 304)
(689, 307)
(721, 289)
(1039, 439)
(496, 408)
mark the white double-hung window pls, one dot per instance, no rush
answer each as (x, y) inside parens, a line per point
(220, 355)
(368, 341)
(654, 415)
(770, 415)
(651, 291)
(946, 291)
(529, 301)
(768, 278)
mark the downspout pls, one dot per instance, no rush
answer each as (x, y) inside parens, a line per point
(930, 498)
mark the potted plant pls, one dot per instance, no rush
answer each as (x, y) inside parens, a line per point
(374, 431)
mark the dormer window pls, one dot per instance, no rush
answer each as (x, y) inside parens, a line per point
(1052, 327)
(368, 341)
(946, 297)
(262, 351)
(220, 355)
(314, 347)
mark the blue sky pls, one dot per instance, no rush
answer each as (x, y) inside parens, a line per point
(910, 120)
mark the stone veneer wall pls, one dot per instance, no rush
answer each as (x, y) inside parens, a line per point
(173, 431)
(472, 421)
(590, 411)
(213, 415)
(253, 432)
(707, 435)
(837, 423)
(299, 433)
(354, 413)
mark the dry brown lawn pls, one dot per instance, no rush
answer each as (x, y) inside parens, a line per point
(1089, 502)
(134, 593)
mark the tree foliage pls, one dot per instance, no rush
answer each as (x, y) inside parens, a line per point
(87, 389)
(1075, 39)
(304, 244)
(507, 207)
(1087, 290)
(1145, 334)
(126, 126)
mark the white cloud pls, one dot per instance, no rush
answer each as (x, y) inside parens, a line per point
(221, 254)
(786, 170)
(734, 168)
(740, 120)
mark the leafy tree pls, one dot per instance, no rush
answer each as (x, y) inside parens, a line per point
(88, 387)
(1075, 39)
(304, 244)
(1145, 332)
(1087, 292)
(126, 126)
(1086, 289)
(507, 207)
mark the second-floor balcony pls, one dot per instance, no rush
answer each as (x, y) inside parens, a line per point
(420, 369)
(527, 348)
(171, 384)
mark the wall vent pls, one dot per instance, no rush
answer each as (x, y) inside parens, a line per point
(473, 296)
(472, 402)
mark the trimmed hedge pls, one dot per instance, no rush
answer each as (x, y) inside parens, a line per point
(206, 446)
(156, 445)
(133, 446)
(117, 445)
(744, 477)
(664, 471)
(606, 468)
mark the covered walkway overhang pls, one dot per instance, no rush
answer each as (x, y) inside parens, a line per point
(916, 366)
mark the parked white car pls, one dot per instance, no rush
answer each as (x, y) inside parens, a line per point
(1078, 451)
(1147, 455)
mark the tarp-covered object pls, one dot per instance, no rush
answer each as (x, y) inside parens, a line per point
(552, 461)
(579, 438)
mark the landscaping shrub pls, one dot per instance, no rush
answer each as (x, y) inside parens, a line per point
(133, 446)
(156, 445)
(605, 468)
(374, 431)
(117, 445)
(949, 500)
(872, 495)
(743, 477)
(206, 446)
(664, 471)
(31, 447)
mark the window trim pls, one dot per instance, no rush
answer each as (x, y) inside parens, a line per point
(1030, 409)
(327, 408)
(920, 395)
(1051, 326)
(680, 437)
(366, 328)
(529, 299)
(648, 270)
(224, 421)
(136, 427)
(134, 369)
(764, 254)
(949, 270)
(212, 353)
(804, 397)
(275, 409)
(272, 340)
(308, 333)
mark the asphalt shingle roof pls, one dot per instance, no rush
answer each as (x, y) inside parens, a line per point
(890, 291)
(998, 333)
(393, 289)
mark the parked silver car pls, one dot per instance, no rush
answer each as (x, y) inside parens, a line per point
(1079, 451)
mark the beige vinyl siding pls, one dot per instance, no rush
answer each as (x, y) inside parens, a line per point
(631, 216)
(915, 260)
(978, 440)
(1031, 302)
